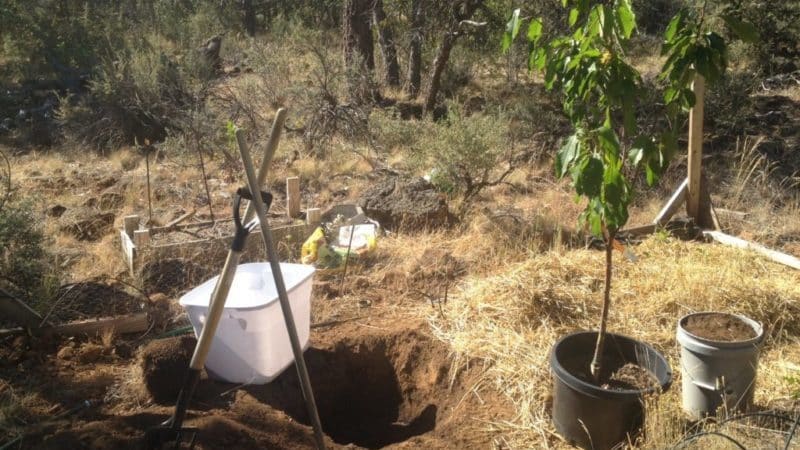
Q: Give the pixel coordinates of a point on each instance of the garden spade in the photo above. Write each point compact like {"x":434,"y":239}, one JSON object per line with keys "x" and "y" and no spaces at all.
{"x":172,"y":433}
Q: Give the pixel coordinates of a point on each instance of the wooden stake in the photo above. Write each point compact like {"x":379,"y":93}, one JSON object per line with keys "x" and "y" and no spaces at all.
{"x":141,"y":237}
{"x":696,"y":149}
{"x":313,"y":216}
{"x":131,"y":224}
{"x":293,"y":197}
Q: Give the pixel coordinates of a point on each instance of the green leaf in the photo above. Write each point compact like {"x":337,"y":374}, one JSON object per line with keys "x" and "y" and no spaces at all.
{"x":608,"y":142}
{"x":573,"y":16}
{"x":626,"y":18}
{"x":535,"y":30}
{"x":672,"y":28}
{"x":512,"y":29}
{"x":643,"y":147}
{"x":745,"y":30}
{"x":567,"y":154}
{"x":587,"y":176}
{"x":537,"y":59}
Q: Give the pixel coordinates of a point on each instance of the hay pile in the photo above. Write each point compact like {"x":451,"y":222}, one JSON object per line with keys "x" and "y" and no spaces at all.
{"x":511,"y":318}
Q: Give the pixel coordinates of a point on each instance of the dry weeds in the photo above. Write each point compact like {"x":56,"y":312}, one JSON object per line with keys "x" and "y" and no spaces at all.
{"x":511,"y":318}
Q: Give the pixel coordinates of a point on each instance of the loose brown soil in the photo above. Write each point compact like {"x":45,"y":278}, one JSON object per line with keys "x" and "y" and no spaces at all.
{"x":718,"y":327}
{"x":164,"y":363}
{"x":632,"y":376}
{"x":616,"y":374}
{"x":377,"y":385}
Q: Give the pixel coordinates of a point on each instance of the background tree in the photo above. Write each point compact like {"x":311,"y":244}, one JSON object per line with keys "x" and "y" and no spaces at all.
{"x":358,"y":47}
{"x":388,"y":49}
{"x":461,"y":11}
{"x":415,"y":49}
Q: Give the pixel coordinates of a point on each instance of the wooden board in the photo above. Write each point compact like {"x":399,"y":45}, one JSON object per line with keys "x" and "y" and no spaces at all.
{"x":773,"y":255}
{"x":130,"y":323}
{"x":696,"y":148}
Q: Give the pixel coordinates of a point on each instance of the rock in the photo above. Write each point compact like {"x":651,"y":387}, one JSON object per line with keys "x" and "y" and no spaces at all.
{"x":56,"y":210}
{"x":86,"y":224}
{"x":164,"y":363}
{"x":398,"y":202}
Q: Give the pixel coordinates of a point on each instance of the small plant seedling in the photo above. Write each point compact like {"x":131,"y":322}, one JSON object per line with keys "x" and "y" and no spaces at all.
{"x":599,"y":88}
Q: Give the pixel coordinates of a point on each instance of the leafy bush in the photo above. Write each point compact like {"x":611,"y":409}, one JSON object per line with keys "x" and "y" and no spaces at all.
{"x":465,"y":154}
{"x":777,"y":24}
{"x":22,"y":255}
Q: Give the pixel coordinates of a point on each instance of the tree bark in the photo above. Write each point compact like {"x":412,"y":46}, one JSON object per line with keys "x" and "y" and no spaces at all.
{"x":386,"y":40}
{"x":415,"y":51}
{"x":358,"y":45}
{"x":249,"y":17}
{"x":463,"y":11}
{"x":439,"y":64}
{"x":359,"y":55}
{"x":596,"y":367}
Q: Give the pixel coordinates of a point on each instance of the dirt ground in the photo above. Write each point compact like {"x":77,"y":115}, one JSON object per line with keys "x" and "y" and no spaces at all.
{"x":378,"y":383}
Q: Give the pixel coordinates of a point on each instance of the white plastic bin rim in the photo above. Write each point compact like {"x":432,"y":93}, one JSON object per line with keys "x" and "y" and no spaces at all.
{"x":252,"y":287}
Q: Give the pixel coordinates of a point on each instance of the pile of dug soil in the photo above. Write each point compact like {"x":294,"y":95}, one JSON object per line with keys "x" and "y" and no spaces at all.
{"x":164,"y":363}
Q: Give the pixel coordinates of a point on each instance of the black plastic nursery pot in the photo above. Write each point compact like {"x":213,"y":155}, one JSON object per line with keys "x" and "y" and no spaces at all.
{"x":588,"y":415}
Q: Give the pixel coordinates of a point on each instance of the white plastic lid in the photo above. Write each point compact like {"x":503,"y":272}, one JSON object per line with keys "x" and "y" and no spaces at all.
{"x":252,"y":287}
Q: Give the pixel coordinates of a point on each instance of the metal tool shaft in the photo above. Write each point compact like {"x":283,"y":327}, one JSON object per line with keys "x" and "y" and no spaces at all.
{"x":283,"y":297}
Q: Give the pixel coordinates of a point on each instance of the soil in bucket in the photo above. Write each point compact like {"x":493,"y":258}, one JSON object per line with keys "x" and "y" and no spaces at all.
{"x":718,"y":327}
{"x":616,"y":375}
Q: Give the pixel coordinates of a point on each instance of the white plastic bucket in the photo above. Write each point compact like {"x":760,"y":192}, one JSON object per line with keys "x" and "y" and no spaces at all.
{"x":251,"y":344}
{"x":716,"y":373}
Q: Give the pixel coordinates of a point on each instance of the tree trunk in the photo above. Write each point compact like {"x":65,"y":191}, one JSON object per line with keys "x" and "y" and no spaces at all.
{"x":597,"y":365}
{"x":415,"y":53}
{"x":358,"y":45}
{"x":463,"y":11}
{"x":359,"y":55}
{"x":249,"y":17}
{"x":439,"y":63}
{"x":386,"y":39}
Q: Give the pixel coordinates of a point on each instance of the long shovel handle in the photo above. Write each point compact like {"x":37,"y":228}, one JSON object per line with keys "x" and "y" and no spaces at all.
{"x":272,"y":254}
{"x":272,"y":144}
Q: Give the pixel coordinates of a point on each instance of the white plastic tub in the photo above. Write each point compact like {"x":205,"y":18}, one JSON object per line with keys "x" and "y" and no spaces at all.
{"x":251,"y":344}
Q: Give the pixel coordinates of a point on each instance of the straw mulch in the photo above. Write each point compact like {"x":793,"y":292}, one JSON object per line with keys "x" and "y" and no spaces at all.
{"x":510,"y":318}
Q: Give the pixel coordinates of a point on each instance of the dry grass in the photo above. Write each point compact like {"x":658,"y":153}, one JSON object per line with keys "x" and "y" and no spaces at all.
{"x":512,"y":317}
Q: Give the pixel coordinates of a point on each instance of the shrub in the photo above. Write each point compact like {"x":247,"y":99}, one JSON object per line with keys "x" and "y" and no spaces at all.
{"x":22,"y":256}
{"x":138,"y":94}
{"x":466,"y":154}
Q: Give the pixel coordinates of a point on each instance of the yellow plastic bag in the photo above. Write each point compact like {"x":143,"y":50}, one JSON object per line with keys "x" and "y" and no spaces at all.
{"x":310,"y":249}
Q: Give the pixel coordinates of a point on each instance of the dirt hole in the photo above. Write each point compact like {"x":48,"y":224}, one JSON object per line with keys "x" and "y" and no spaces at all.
{"x":371,"y":392}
